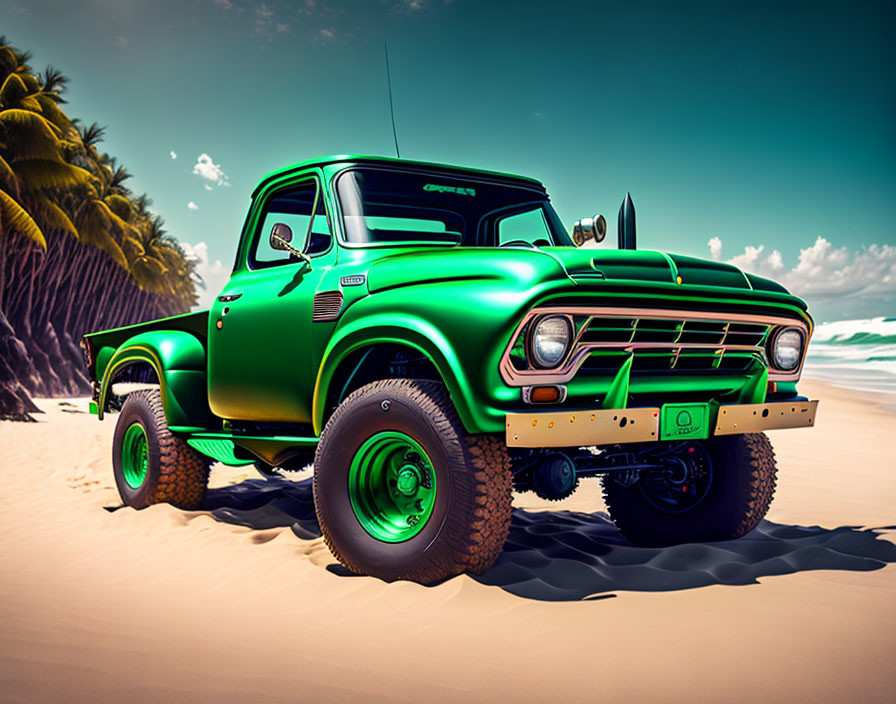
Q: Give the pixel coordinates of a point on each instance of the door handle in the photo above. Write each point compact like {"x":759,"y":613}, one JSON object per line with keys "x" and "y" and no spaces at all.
{"x":227,"y":298}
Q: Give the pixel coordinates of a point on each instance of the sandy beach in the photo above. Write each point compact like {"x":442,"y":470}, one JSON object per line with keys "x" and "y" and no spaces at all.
{"x":243,"y":602}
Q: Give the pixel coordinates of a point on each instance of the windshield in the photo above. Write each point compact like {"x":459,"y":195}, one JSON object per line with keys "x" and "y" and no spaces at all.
{"x":387,"y":206}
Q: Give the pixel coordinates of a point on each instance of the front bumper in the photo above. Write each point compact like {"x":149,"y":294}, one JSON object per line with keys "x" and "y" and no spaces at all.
{"x":614,"y":426}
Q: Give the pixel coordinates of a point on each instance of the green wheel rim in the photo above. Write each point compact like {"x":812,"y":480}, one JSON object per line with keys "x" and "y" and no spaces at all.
{"x":134,"y":456}
{"x":392,"y":486}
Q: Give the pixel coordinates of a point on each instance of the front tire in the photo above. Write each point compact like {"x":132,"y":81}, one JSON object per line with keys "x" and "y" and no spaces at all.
{"x":727,"y":493}
{"x":151,"y":465}
{"x":403,"y":492}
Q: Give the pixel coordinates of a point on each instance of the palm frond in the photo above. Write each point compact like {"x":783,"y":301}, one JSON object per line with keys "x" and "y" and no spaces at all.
{"x":15,"y":120}
{"x":101,"y":239}
{"x":112,"y":218}
{"x":22,"y":58}
{"x":52,"y":217}
{"x":14,"y":217}
{"x":120,"y":205}
{"x":31,"y":83}
{"x":30,"y":102}
{"x":12,"y":91}
{"x":50,"y":110}
{"x":141,"y":204}
{"x":92,"y":134}
{"x":54,"y":83}
{"x":44,"y":174}
{"x":119,"y":176}
{"x":8,"y":180}
{"x":8,"y":62}
{"x":132,"y":248}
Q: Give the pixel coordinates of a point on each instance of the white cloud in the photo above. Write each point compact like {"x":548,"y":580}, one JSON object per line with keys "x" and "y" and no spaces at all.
{"x":266,"y":23}
{"x":775,"y":261}
{"x":327,"y":34}
{"x":410,"y":5}
{"x":173,"y":155}
{"x":823,"y":271}
{"x":192,"y":206}
{"x":752,"y":259}
{"x":207,"y":187}
{"x":224,"y":4}
{"x":212,"y":275}
{"x":209,"y":170}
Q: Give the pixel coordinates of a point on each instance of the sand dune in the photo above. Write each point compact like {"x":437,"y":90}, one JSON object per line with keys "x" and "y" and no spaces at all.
{"x":242,"y":601}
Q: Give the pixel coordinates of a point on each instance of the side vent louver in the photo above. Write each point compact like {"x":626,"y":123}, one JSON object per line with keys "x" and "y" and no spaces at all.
{"x":327,"y":305}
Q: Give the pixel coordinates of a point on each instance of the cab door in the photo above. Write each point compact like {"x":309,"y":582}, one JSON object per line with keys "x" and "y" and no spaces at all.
{"x":260,"y":348}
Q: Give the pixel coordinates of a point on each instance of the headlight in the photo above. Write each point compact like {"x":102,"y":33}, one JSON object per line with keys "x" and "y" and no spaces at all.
{"x":788,"y":349}
{"x":550,"y":339}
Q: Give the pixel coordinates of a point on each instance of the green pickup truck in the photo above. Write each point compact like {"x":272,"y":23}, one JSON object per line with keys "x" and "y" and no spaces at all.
{"x":433,"y":339}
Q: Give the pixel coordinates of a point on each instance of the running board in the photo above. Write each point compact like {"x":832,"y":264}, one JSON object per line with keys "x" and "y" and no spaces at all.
{"x":221,"y":446}
{"x":219,"y":449}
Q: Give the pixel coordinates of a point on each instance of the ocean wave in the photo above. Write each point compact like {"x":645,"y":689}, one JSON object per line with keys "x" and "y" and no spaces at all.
{"x":870,"y":331}
{"x":859,"y":354}
{"x":863,"y":338}
{"x":856,"y":351}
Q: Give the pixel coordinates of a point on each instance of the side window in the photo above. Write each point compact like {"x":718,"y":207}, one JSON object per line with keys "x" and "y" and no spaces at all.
{"x":293,"y":209}
{"x":529,"y":226}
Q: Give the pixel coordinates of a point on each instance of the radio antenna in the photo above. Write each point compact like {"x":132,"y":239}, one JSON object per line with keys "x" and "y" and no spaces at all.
{"x":391,"y":107}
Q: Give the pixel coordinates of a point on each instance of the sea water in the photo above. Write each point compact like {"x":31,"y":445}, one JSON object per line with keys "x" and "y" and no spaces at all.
{"x":859,"y":354}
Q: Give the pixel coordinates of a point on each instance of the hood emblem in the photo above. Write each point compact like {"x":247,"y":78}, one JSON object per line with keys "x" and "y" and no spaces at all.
{"x":353,"y":280}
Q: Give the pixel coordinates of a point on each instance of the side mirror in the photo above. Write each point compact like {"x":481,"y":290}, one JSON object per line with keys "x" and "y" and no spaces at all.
{"x":589,"y":228}
{"x":281,"y":234}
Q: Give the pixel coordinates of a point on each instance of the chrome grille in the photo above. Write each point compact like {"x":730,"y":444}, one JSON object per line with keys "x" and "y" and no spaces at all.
{"x":603,"y":330}
{"x":658,"y":341}
{"x":668,"y":343}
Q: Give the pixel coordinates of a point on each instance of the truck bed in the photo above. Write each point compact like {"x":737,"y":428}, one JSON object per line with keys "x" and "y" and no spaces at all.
{"x":194,"y":323}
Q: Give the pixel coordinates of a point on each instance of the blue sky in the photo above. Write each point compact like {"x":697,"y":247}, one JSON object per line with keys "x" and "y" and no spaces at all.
{"x":749,"y":126}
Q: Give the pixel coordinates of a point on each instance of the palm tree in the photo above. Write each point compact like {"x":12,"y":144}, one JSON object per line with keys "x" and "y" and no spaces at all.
{"x":78,"y":250}
{"x":53,"y":82}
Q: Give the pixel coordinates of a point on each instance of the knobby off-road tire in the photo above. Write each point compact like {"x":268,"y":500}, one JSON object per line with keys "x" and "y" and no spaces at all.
{"x":151,"y":465}
{"x":465,"y":507}
{"x":742,"y":487}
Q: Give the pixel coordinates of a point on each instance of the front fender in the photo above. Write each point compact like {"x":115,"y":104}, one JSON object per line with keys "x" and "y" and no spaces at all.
{"x":413,"y":332}
{"x":179,"y":361}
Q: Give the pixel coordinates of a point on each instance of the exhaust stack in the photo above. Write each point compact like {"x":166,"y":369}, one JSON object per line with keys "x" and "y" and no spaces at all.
{"x":627,"y":224}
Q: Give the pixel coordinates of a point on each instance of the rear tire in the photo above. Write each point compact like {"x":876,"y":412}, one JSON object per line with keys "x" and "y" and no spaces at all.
{"x":151,"y":465}
{"x":403,"y":492}
{"x":738,"y":495}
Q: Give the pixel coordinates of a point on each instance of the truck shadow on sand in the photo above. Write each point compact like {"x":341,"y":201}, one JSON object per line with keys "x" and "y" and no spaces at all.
{"x":572,"y":556}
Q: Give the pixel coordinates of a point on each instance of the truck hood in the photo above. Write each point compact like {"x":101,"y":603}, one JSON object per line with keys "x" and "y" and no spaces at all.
{"x":528,"y":267}
{"x":642,"y":265}
{"x":427,"y":266}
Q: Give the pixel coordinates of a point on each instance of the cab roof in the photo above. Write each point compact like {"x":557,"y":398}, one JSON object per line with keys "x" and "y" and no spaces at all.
{"x":387,"y":161}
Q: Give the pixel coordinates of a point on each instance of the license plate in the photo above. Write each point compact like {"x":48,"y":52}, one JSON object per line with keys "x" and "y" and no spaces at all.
{"x":680,"y":421}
